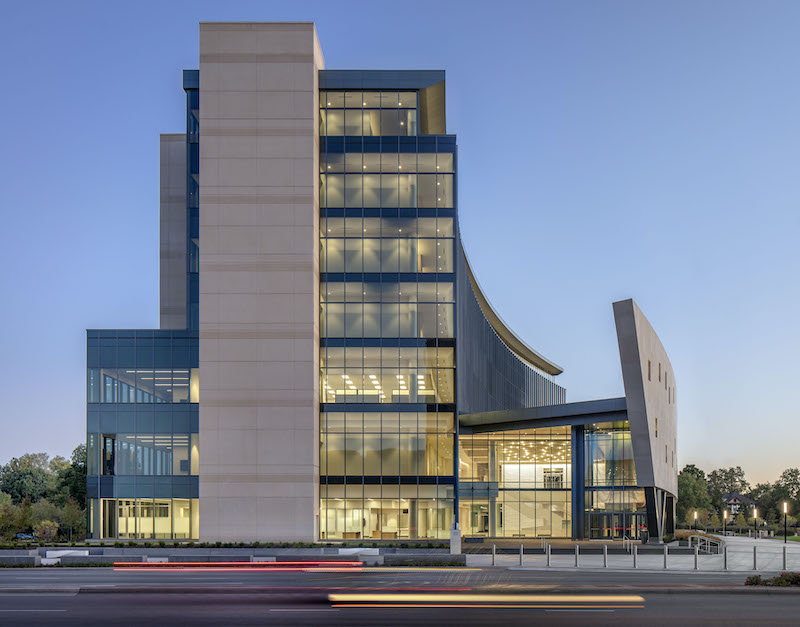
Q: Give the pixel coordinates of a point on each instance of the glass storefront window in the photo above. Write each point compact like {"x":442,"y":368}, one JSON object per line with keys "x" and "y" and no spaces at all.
{"x":128,"y":385}
{"x":517,"y":483}
{"x":147,"y":518}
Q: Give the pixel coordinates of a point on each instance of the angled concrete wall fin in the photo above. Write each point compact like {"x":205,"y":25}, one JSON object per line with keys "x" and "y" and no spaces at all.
{"x":650,"y":398}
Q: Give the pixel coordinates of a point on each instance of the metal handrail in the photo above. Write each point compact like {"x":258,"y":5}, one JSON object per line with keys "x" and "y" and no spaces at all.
{"x":627,"y":544}
{"x":706,"y":544}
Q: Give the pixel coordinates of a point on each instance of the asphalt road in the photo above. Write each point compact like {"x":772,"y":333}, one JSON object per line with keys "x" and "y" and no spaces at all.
{"x":459,"y":596}
{"x":382,"y":577}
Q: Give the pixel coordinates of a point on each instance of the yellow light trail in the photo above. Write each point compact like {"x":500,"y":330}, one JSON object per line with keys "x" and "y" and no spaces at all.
{"x":487,"y":606}
{"x":338,"y":597}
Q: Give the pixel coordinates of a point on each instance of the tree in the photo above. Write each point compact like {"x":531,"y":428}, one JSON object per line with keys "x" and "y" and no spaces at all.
{"x":73,"y":476}
{"x":44,"y":510}
{"x":30,"y":475}
{"x":694,"y":471}
{"x":726,"y":480}
{"x":73,"y":518}
{"x":715,"y":522}
{"x":4,"y":498}
{"x":790,"y":482}
{"x":57,"y":464}
{"x":740,"y":521}
{"x":692,"y":492}
{"x":46,"y":530}
{"x":8,"y":520}
{"x":24,"y":518}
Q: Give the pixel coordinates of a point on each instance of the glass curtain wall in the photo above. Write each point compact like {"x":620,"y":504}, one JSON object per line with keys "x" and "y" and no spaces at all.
{"x":516,"y":483}
{"x":149,"y":518}
{"x":615,"y":506}
{"x":142,"y":434}
{"x":387,"y":354}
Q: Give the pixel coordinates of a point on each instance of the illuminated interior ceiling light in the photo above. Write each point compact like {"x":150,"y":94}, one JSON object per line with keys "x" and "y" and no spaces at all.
{"x":372,"y":376}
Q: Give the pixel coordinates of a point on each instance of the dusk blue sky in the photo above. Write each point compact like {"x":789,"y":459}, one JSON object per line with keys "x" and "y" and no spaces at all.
{"x":606,"y":150}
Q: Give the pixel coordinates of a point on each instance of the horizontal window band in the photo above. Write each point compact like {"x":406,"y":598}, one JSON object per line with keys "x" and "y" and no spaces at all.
{"x":464,"y":488}
{"x":387,"y":143}
{"x":385,"y":212}
{"x":388,"y":342}
{"x":442,"y":408}
{"x":387,"y":480}
{"x":388,"y":277}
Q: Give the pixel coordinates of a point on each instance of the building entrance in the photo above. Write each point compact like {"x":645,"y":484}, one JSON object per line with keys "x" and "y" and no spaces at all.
{"x":617,"y":526}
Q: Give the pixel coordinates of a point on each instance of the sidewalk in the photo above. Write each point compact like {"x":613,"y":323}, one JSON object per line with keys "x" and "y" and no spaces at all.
{"x":740,"y":558}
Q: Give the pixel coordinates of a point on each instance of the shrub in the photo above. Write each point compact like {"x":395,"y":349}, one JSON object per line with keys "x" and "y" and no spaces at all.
{"x":162,"y":544}
{"x":783,"y":580}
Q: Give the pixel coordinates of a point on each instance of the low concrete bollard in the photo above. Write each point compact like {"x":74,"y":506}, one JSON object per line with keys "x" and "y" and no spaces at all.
{"x":577,"y":552}
{"x":755,"y":558}
{"x":725,"y":558}
{"x":521,"y":555}
{"x":635,"y":555}
{"x":493,"y":554}
{"x":784,"y":557}
{"x":605,"y":556}
{"x":547,"y":553}
{"x":666,"y":553}
{"x":697,"y":556}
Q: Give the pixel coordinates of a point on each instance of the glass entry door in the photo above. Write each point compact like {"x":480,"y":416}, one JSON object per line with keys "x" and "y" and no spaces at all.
{"x":616,"y":526}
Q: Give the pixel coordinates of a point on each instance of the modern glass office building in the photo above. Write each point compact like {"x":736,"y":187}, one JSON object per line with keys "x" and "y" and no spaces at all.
{"x":327,"y":365}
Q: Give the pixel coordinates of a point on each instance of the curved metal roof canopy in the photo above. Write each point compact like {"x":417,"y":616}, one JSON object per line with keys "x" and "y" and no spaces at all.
{"x":517,"y":346}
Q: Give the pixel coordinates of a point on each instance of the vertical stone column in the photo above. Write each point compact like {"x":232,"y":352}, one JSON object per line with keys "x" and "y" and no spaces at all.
{"x":259,"y":281}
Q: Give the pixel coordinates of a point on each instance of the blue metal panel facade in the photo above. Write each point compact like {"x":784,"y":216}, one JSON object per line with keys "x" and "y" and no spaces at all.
{"x":142,"y":428}
{"x":490,"y":375}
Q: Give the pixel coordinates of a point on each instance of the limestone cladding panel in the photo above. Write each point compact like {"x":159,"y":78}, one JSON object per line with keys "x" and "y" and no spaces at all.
{"x":172,"y":232}
{"x":650,"y":396}
{"x":259,"y":281}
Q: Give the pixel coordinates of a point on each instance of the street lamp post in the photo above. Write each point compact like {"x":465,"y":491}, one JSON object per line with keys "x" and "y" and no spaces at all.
{"x":755,"y":521}
{"x":695,"y":521}
{"x":725,"y":523}
{"x":785,"y":514}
